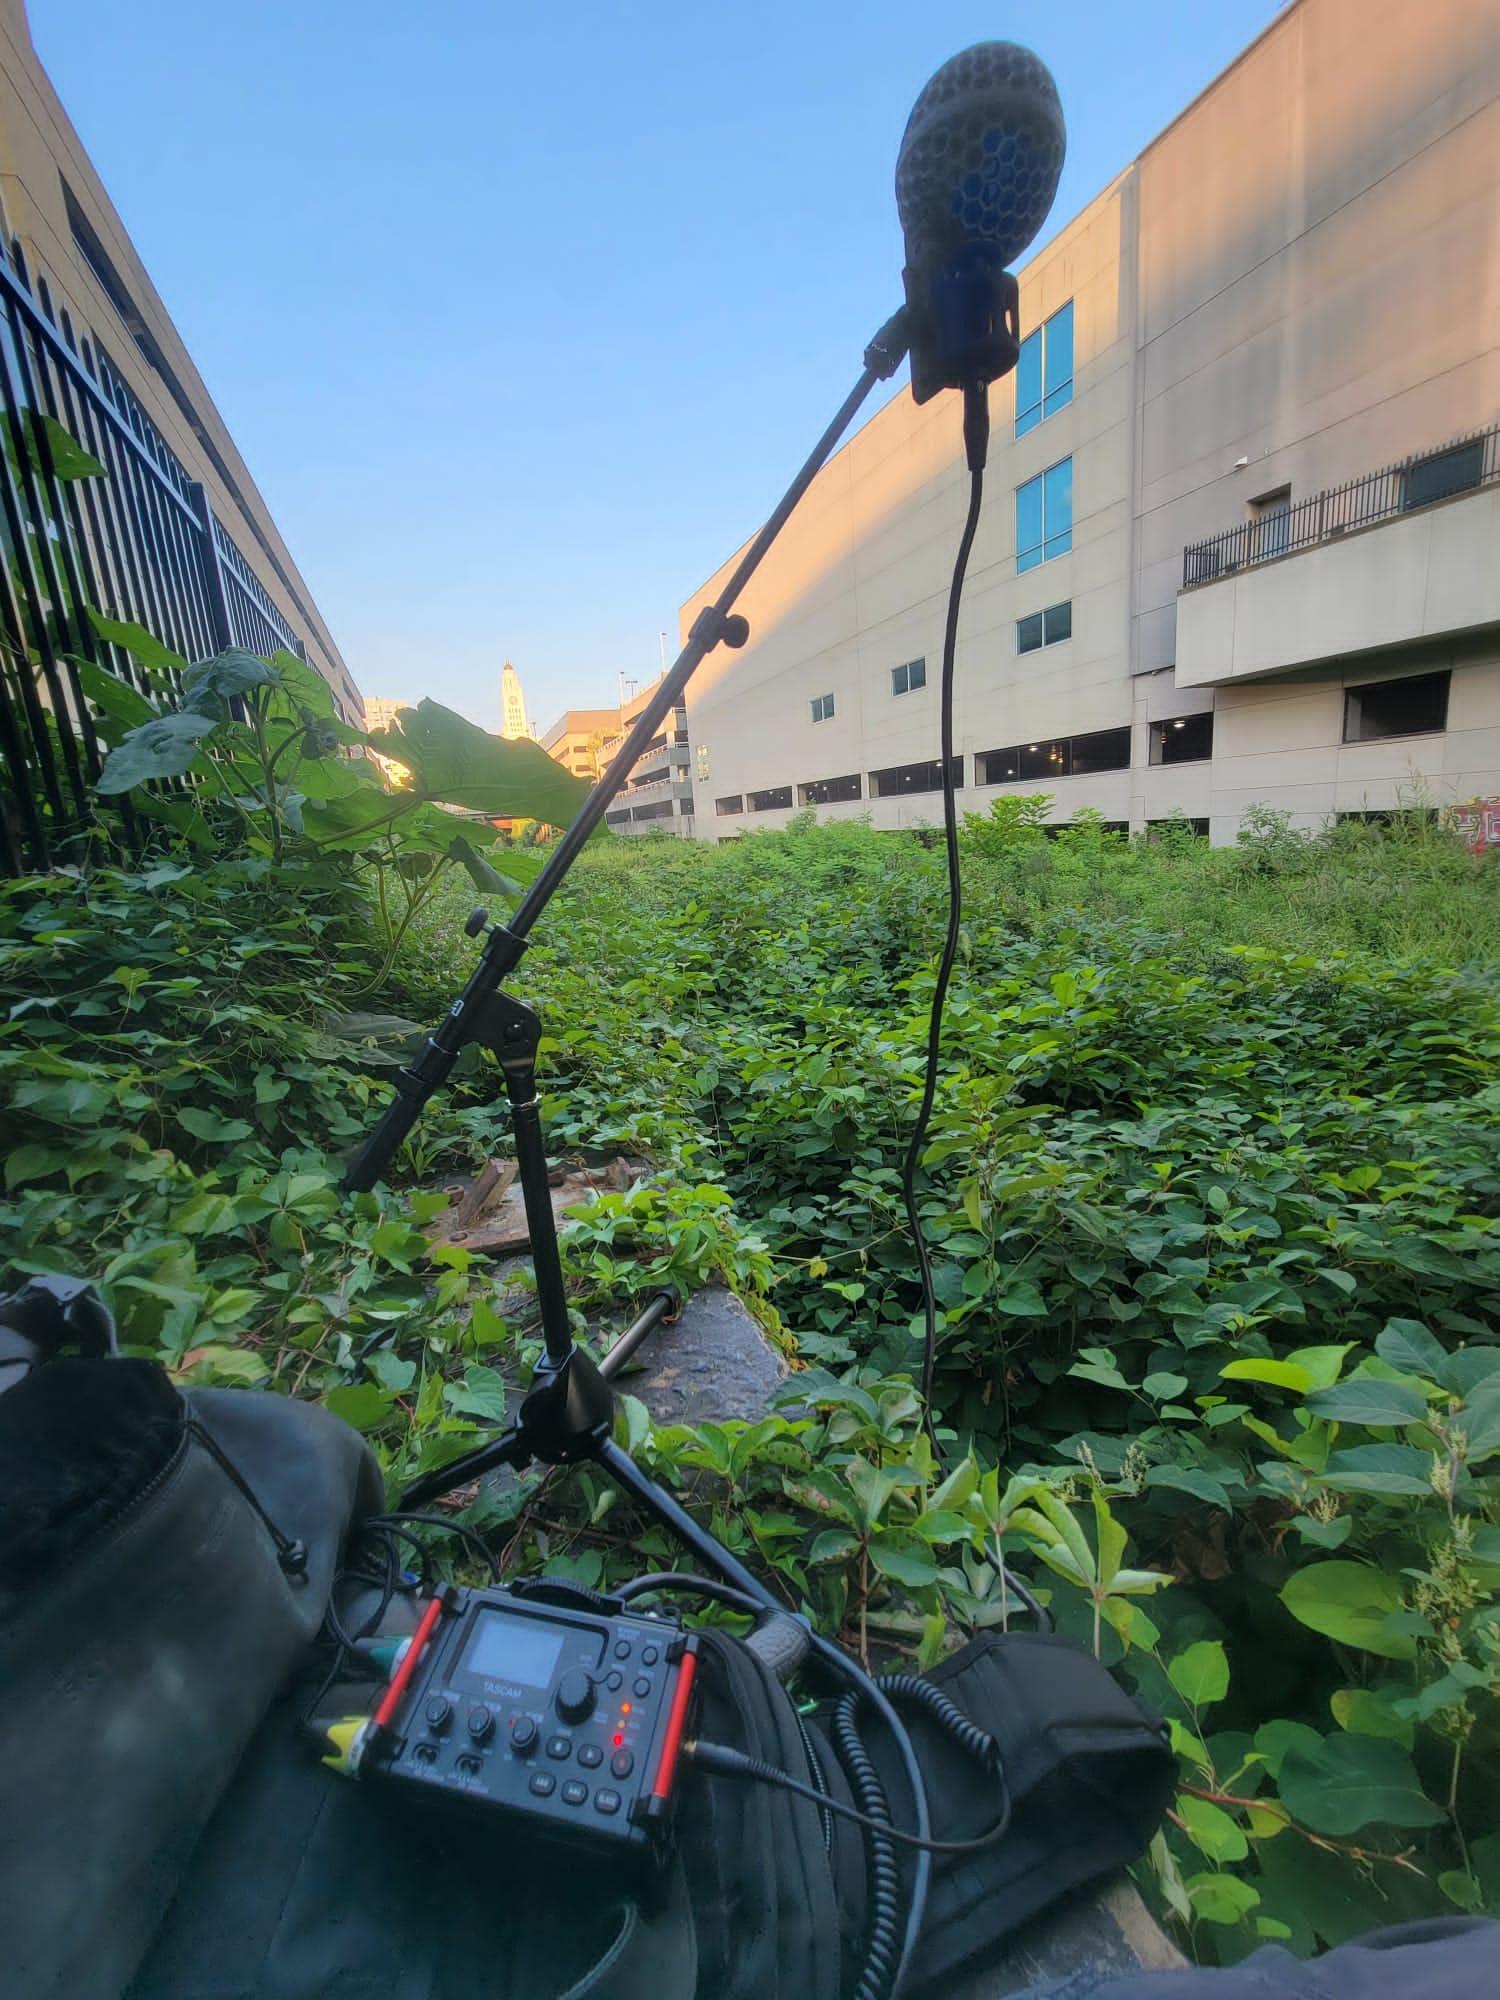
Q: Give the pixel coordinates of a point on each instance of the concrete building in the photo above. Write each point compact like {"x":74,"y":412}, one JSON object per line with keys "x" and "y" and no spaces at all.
{"x":513,"y":724}
{"x":61,"y":230}
{"x":1241,"y":539}
{"x":658,"y":795}
{"x":577,"y":739}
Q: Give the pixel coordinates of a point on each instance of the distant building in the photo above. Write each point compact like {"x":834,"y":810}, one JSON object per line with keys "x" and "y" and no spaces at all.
{"x":513,"y":724}
{"x":577,"y":739}
{"x":380,"y":713}
{"x":1242,"y":513}
{"x":658,"y":795}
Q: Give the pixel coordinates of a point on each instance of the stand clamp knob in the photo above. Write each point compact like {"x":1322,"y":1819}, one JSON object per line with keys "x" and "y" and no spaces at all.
{"x":475,"y":922}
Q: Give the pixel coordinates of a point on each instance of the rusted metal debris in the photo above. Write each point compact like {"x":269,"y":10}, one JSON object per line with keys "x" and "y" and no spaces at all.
{"x":486,"y":1213}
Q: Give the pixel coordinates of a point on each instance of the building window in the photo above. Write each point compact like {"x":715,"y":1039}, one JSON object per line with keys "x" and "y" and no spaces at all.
{"x":700,"y":762}
{"x":822,"y":707}
{"x":617,"y":819}
{"x":662,"y":810}
{"x":724,"y":807}
{"x":685,"y":807}
{"x":907,"y":679}
{"x":1178,"y":823}
{"x":1441,"y":474}
{"x":1415,"y":706}
{"x":1044,"y":628}
{"x":830,"y":791}
{"x":1183,"y":739}
{"x":1044,"y":516}
{"x":898,"y":779}
{"x":1271,"y":516}
{"x":777,"y":799}
{"x":1044,"y":370}
{"x":1058,"y":757}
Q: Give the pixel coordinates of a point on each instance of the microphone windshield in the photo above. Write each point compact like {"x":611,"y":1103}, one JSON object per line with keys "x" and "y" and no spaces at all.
{"x":981,"y":156}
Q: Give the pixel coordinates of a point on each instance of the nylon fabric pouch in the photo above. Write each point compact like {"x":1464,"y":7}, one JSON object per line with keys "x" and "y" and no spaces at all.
{"x":1090,"y":1774}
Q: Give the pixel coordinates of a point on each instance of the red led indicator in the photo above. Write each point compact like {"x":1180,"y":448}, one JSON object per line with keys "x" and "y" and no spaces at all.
{"x":618,"y":1738}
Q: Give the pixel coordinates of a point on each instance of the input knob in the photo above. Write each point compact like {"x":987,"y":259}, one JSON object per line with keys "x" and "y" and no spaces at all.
{"x":575,"y":1695}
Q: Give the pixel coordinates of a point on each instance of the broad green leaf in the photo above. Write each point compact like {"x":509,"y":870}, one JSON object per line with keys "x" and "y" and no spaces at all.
{"x":112,"y":696}
{"x":211,"y":1126}
{"x":483,"y":1394}
{"x":1480,"y":1420}
{"x":873,"y":1487}
{"x":391,"y":1371}
{"x":1352,"y":1782}
{"x":1221,"y":1899}
{"x":162,"y":748}
{"x":452,"y":760}
{"x":479,"y":871}
{"x":1324,"y":1534}
{"x":904,"y":1559}
{"x":46,"y":438}
{"x":1201,"y":1674}
{"x":1211,"y":1829}
{"x":1110,"y":1536}
{"x":232,"y":672}
{"x":1380,"y":1468}
{"x":1349,"y":1602}
{"x":240,"y":1366}
{"x":832,"y":1545}
{"x":1275,"y":1741}
{"x":1163,"y":1387}
{"x":1467,"y":1367}
{"x":1190,"y":1479}
{"x":1406,"y":1344}
{"x":958,"y":1487}
{"x":1323,"y":1364}
{"x":362,"y":1404}
{"x":1375,"y":1405}
{"x":138,"y":642}
{"x":1362,"y":1712}
{"x":1279,"y":1374}
{"x":1461,"y":1888}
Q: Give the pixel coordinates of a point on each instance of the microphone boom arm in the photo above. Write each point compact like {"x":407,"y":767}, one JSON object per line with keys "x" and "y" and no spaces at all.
{"x":471,"y":1015}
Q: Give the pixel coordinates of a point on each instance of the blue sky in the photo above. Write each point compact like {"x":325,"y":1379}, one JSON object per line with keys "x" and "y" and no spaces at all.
{"x":523,"y":316}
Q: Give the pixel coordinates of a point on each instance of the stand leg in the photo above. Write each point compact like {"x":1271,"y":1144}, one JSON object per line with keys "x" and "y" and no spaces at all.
{"x":510,"y":1449}
{"x":623,"y":1469}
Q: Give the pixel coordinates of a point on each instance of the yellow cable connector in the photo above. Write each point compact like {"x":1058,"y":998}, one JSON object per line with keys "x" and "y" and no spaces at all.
{"x":347,"y":1738}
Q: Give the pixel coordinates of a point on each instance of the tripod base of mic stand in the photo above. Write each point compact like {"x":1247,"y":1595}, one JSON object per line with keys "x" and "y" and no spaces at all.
{"x":567,"y":1418}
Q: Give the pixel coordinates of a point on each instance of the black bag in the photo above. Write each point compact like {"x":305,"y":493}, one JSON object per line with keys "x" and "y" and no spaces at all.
{"x":146,"y":1623}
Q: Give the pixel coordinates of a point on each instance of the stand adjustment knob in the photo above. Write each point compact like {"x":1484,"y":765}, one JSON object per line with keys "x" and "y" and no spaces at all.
{"x":475,"y":922}
{"x":575,"y":1695}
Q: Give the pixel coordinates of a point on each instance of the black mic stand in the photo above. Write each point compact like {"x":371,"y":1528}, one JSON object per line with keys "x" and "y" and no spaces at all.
{"x":568,"y":1413}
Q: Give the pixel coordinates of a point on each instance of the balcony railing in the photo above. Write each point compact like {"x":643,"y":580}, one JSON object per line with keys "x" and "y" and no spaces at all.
{"x":1419,"y":481}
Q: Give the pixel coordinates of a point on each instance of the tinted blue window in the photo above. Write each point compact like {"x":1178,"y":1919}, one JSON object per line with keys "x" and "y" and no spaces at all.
{"x":1058,"y":368}
{"x":1029,"y":524}
{"x":1057,"y":509}
{"x":1029,"y":384}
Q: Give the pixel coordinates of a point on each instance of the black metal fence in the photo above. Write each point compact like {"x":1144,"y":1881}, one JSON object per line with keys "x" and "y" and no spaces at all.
{"x":1280,"y":530}
{"x":139,"y":542}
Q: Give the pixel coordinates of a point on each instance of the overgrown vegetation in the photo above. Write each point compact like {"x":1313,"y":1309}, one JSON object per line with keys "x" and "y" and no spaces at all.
{"x":1212,"y":1193}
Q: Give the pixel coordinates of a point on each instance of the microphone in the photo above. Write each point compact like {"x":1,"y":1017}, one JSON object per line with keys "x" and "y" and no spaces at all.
{"x":975,"y":178}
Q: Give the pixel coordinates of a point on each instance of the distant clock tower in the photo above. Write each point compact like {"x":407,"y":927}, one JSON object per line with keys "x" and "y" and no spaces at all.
{"x":513,"y":723}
